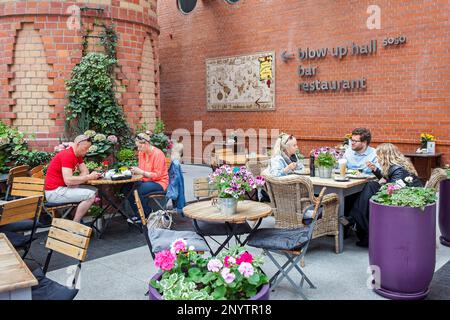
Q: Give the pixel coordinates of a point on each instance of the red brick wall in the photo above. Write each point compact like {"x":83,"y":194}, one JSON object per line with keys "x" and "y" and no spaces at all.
{"x":135,"y":22}
{"x":407,"y":87}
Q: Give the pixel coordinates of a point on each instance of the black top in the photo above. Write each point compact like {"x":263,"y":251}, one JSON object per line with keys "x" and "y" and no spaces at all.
{"x":397,"y":172}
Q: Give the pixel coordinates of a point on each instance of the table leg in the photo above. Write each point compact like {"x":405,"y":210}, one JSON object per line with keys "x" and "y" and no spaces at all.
{"x":118,"y":209}
{"x":341,"y":196}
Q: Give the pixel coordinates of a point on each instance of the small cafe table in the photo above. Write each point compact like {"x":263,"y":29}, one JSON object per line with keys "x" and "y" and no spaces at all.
{"x":100,"y":183}
{"x":246,"y":211}
{"x":424,"y":163}
{"x":16,"y":279}
{"x":342,"y":189}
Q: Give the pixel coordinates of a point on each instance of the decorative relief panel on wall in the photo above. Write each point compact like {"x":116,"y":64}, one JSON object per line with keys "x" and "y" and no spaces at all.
{"x":241,"y":83}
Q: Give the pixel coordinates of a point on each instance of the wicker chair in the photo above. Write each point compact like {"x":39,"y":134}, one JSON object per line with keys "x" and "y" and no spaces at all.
{"x":437,"y":175}
{"x":291,"y":194}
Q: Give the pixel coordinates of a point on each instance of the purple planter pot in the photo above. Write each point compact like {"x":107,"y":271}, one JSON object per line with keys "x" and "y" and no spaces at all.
{"x":402,"y":243}
{"x":153,"y":294}
{"x":444,"y":212}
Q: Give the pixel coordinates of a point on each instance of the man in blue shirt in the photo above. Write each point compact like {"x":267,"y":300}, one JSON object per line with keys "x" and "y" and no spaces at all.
{"x":361,"y":153}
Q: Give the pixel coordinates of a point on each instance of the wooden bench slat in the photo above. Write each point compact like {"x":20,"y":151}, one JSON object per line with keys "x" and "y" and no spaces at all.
{"x":29,"y":180}
{"x":27,"y":186}
{"x":69,"y":237}
{"x":24,"y":193}
{"x":67,"y":249}
{"x":72,"y":227}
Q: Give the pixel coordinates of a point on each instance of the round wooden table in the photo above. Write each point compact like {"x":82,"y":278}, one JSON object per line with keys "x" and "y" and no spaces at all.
{"x":246,"y":211}
{"x":118,"y":209}
{"x":98,"y":182}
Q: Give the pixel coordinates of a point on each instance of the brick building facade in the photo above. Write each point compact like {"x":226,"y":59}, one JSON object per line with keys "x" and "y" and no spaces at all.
{"x":407,"y":89}
{"x":41,"y":41}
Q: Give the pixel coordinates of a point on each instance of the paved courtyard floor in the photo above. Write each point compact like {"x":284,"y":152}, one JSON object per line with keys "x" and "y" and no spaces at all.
{"x":125,"y":274}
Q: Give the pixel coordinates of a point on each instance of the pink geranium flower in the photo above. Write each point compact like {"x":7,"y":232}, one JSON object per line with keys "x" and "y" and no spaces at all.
{"x":244,"y":257}
{"x":227,"y":275}
{"x":178,"y":245}
{"x":246,"y":269}
{"x":164,"y":260}
{"x":214,"y":265}
{"x":228,"y":261}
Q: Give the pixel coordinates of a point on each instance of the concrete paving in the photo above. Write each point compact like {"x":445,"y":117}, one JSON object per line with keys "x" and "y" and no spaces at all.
{"x":344,"y":276}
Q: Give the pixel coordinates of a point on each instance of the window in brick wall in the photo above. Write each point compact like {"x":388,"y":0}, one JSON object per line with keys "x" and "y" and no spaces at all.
{"x":186,"y":6}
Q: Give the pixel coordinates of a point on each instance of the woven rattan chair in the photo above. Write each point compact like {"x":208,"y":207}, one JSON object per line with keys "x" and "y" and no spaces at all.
{"x":291,"y":194}
{"x":437,"y":175}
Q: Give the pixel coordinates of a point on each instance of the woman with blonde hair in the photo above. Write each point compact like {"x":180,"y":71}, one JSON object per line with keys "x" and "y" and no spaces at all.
{"x":394,"y":166}
{"x":284,"y":156}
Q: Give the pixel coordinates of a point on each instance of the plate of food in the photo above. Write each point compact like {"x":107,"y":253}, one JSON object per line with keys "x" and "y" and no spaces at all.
{"x":341,"y":179}
{"x":356,"y":174}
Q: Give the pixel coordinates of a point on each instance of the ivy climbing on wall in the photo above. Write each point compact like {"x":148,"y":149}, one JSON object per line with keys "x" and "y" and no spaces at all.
{"x":91,"y":91}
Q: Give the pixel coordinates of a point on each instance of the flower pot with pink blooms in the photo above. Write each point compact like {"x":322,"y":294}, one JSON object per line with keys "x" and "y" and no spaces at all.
{"x":186,"y":275}
{"x":233,"y":184}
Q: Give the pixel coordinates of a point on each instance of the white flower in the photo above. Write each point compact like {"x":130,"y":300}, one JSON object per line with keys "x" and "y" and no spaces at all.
{"x":409,"y":179}
{"x":90,"y":133}
{"x":191,"y":248}
{"x":93,"y":148}
{"x":99,"y":137}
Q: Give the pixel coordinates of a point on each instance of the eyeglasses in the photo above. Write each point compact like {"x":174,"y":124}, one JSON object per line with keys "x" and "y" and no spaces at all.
{"x":141,"y":138}
{"x":355,"y":141}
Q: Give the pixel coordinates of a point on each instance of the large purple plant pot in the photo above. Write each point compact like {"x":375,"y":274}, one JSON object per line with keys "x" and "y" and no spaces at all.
{"x":153,"y":294}
{"x":444,"y":212}
{"x":402,"y":244}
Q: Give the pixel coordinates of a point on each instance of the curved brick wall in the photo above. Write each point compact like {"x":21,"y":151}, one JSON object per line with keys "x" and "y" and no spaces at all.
{"x":407,"y":87}
{"x":39,"y":49}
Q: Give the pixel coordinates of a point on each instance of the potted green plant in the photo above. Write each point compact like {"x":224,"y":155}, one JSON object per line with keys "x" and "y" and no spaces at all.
{"x":325,"y":159}
{"x":232,"y":184}
{"x":12,"y":144}
{"x":186,"y":275}
{"x":402,"y":239}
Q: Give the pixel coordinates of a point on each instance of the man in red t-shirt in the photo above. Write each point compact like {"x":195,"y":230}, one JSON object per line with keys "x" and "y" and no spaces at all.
{"x":61,"y":186}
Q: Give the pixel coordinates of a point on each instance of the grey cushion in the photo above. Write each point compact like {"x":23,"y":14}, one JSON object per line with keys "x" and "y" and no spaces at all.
{"x":161,"y":239}
{"x":279,"y":239}
{"x":220,"y":229}
{"x":48,"y":289}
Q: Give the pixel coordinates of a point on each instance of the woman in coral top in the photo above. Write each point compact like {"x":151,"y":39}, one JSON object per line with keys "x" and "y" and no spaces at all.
{"x":152,"y":166}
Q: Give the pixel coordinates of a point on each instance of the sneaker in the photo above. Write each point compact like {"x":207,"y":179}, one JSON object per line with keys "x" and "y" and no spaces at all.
{"x":134,"y":220}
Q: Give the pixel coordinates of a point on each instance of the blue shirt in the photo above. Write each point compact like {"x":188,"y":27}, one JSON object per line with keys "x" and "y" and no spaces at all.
{"x":356,"y":160}
{"x":277,"y":165}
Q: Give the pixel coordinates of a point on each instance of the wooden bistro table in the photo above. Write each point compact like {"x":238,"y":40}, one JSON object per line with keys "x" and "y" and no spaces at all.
{"x":100,"y":184}
{"x":246,"y":211}
{"x":16,"y":279}
{"x":342,"y":189}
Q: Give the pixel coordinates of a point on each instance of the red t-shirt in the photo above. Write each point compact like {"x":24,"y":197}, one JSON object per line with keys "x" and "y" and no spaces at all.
{"x":67,"y":159}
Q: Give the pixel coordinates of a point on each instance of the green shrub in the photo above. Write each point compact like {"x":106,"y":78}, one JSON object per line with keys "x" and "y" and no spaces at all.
{"x":34,"y":158}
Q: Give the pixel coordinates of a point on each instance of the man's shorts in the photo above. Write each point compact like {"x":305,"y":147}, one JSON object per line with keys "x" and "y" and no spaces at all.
{"x":70,"y":194}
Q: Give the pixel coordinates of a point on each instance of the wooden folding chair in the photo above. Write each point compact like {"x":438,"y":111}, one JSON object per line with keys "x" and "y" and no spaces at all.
{"x":164,"y":235}
{"x":69,"y":238}
{"x":37,"y":172}
{"x":26,"y":187}
{"x":290,"y":243}
{"x":19,"y":210}
{"x":19,"y":171}
{"x":203,"y":189}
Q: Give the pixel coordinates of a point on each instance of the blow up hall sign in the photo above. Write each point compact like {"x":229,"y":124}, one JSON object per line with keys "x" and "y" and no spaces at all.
{"x":339,"y":52}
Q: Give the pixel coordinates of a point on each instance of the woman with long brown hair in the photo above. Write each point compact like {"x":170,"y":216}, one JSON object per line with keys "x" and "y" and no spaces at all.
{"x":394,"y":166}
